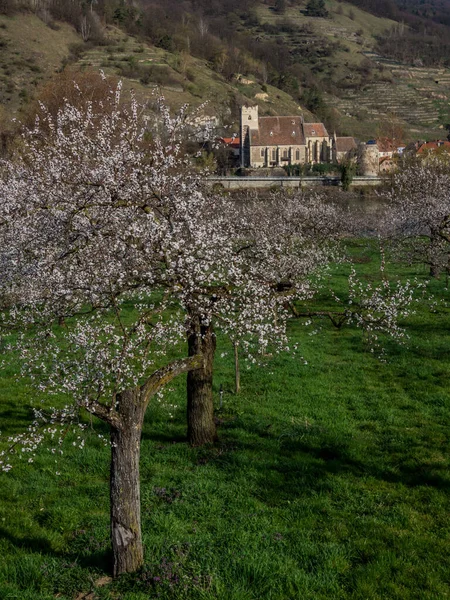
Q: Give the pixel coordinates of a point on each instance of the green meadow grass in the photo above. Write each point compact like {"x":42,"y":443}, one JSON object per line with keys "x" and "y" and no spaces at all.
{"x":330,"y":480}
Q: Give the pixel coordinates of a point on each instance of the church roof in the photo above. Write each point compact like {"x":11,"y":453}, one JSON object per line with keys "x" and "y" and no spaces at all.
{"x":278,"y":131}
{"x":345,"y":144}
{"x":315,"y":130}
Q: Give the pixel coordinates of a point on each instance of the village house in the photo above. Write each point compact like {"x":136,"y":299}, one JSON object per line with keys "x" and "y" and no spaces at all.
{"x":388,"y":165}
{"x":386,"y":147}
{"x":232,"y":143}
{"x":430,"y":147}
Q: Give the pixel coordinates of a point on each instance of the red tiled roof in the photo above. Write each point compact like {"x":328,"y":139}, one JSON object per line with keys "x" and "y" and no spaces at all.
{"x":315,"y":130}
{"x":431,"y":146}
{"x":278,"y":131}
{"x":385,"y":145}
{"x":234,"y":142}
{"x":345,"y":144}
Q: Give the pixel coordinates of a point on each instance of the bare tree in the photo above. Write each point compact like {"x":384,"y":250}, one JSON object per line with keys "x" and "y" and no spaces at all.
{"x":203,"y":26}
{"x":85,"y":28}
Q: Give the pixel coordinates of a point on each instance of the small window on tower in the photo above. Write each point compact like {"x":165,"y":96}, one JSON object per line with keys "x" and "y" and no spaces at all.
{"x":262,"y":151}
{"x":249,"y":117}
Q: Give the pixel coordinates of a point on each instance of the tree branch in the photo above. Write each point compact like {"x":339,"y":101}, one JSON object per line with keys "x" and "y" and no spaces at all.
{"x":105,"y":413}
{"x":162,"y":376}
{"x":337,"y":318}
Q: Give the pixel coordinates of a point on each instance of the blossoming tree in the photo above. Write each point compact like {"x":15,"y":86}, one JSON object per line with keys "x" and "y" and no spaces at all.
{"x":418,"y":216}
{"x":112,"y":254}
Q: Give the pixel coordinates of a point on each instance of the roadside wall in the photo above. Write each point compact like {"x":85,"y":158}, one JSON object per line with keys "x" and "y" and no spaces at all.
{"x":241,"y":183}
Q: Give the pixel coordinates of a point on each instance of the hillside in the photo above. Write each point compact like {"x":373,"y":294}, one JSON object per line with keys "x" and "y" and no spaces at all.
{"x":436,"y":11}
{"x":274,"y":55}
{"x":33,"y":54}
{"x":30,"y":53}
{"x":360,"y":87}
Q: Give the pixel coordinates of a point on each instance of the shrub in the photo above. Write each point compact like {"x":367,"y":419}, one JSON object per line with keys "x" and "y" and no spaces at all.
{"x":316,"y":8}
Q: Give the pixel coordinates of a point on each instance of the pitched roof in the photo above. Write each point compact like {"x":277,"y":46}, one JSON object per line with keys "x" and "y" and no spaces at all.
{"x":432,"y":146}
{"x":386,"y":145}
{"x":315,"y":130}
{"x":345,"y":144}
{"x":234,"y":142}
{"x":278,"y":131}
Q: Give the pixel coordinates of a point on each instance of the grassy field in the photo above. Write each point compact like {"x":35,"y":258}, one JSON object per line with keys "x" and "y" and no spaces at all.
{"x":330,"y":481}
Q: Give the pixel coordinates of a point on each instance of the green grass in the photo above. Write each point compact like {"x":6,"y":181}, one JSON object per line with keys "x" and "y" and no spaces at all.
{"x":330,"y":481}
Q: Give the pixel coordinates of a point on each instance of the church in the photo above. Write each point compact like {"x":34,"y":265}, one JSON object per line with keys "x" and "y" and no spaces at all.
{"x":279,"y":141}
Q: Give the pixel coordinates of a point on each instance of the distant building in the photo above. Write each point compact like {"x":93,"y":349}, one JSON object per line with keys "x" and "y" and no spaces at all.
{"x":232,"y":143}
{"x":388,"y":165}
{"x":431,"y":147}
{"x":279,"y":141}
{"x":343,"y":148}
{"x":369,"y":159}
{"x":227,"y":151}
{"x":386,"y":148}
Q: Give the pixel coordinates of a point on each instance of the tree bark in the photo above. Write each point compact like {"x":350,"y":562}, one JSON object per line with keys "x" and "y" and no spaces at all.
{"x":125,"y":417}
{"x":435,"y":267}
{"x":435,"y":271}
{"x":200,"y":405}
{"x":237,"y":373}
{"x":126,"y":536}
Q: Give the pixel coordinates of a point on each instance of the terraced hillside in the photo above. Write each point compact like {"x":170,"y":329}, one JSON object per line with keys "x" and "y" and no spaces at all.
{"x":182,"y":78}
{"x":420,"y":97}
{"x":345,"y":35}
{"x":337,"y":54}
{"x":362,"y":86}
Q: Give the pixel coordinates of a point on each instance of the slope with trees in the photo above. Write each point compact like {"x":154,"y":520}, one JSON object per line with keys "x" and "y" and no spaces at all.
{"x":231,"y":53}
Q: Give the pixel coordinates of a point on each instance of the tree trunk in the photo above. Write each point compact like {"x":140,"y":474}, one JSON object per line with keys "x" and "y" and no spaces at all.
{"x":126,"y":537}
{"x":125,"y":418}
{"x":435,"y":267}
{"x":200,"y":406}
{"x":237,"y":373}
{"x":435,"y":271}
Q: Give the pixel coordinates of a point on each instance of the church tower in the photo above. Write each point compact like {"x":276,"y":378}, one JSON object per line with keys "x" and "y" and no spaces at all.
{"x":249,"y":122}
